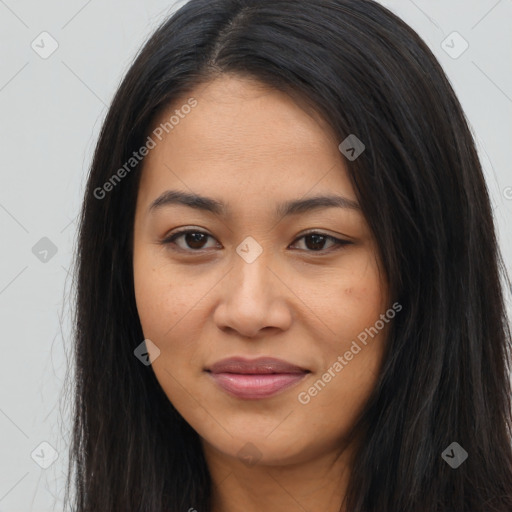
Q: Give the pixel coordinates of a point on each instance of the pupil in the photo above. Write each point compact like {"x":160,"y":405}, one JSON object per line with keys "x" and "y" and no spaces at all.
{"x":194,"y":238}
{"x":318,"y":241}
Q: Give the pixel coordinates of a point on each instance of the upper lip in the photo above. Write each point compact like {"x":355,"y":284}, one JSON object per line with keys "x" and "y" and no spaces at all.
{"x":262,"y":365}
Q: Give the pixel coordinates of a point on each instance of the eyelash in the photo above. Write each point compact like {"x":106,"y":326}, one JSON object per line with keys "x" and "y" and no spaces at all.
{"x":170,"y":240}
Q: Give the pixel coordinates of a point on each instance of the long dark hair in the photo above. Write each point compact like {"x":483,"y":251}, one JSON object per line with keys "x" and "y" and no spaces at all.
{"x":445,"y":376}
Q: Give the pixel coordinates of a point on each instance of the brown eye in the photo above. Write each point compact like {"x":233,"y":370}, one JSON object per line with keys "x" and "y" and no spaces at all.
{"x":192,"y":240}
{"x":315,"y":242}
{"x":195,"y":241}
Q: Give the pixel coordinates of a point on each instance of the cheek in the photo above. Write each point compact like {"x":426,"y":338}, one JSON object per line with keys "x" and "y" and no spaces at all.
{"x":164,"y":296}
{"x":353,"y":352}
{"x":348,"y":300}
{"x":171,"y":304}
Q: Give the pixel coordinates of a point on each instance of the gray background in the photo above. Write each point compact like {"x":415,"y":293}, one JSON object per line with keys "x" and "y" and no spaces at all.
{"x":51,"y":112}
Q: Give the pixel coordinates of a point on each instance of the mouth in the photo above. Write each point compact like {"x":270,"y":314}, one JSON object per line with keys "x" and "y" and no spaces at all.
{"x":255,"y":379}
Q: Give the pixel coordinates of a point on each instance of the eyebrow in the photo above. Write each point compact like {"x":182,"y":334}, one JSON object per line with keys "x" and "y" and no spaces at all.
{"x":208,"y":204}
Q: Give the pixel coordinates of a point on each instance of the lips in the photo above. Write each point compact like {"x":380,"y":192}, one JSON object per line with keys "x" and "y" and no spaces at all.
{"x":257,"y":378}
{"x":260,"y":366}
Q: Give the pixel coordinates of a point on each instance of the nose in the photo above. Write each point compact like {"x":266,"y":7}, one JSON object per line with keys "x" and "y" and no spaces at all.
{"x":254,"y":300}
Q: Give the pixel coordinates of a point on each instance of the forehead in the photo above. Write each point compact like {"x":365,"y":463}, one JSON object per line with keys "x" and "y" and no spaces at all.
{"x":243,"y":136}
{"x":239,"y":116}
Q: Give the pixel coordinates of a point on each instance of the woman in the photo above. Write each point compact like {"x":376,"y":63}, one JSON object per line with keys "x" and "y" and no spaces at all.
{"x":288,"y":281}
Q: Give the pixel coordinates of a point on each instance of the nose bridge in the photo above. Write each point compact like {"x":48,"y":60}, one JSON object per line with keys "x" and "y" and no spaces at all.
{"x":249,"y":302}
{"x":250,"y":273}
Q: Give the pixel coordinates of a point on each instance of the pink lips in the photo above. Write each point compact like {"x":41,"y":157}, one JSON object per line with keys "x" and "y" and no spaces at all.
{"x":256,"y":378}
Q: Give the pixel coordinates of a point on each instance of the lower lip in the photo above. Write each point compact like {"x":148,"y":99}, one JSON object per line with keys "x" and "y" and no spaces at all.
{"x":253,"y":387}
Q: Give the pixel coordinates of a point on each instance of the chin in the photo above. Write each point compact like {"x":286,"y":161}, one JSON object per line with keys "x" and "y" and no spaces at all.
{"x":257,"y":448}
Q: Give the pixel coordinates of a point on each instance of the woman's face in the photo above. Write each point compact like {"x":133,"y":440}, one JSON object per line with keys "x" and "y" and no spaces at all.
{"x":250,"y":281}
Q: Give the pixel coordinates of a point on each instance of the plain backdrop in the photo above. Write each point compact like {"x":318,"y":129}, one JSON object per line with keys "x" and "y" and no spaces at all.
{"x":52,"y":107}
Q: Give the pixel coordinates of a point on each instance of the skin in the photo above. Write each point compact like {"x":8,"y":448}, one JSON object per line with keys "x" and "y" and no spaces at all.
{"x":252,"y":148}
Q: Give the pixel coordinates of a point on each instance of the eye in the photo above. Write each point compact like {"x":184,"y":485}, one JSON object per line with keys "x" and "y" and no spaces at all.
{"x":315,"y":242}
{"x":195,"y":241}
{"x":192,"y":238}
